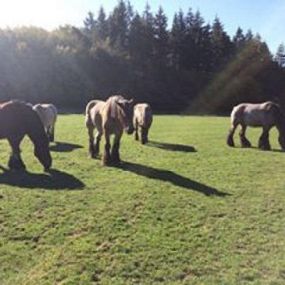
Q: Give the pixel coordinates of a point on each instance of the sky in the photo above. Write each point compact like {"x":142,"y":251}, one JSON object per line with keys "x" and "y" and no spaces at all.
{"x":265,"y":17}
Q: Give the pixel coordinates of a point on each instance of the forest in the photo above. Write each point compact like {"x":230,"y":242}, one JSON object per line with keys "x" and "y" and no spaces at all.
{"x":179,"y":65}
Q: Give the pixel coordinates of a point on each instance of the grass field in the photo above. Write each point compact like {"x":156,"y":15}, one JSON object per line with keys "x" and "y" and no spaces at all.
{"x":185,"y":209}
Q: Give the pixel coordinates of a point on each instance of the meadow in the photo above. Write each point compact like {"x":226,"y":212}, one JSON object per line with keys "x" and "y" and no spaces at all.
{"x":184,"y":209}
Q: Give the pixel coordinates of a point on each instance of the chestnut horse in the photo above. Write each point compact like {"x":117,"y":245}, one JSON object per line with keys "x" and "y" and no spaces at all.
{"x":18,"y":119}
{"x":109,"y":118}
{"x":265,"y":115}
{"x":142,"y":121}
{"x":48,"y":115}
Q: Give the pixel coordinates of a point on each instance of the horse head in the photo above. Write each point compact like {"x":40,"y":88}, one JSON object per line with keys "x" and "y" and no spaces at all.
{"x":127,"y":107}
{"x":42,"y":152}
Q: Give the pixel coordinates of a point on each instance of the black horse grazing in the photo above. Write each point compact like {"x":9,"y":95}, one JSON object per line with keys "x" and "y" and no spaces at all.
{"x":18,"y":119}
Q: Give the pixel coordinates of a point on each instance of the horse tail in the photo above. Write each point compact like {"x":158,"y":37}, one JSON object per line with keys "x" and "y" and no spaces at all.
{"x":54,"y":110}
{"x":278,"y":114}
{"x":89,"y":106}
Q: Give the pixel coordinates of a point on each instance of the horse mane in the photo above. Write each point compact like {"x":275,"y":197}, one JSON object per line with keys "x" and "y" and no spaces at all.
{"x":35,"y":129}
{"x":114,"y":110}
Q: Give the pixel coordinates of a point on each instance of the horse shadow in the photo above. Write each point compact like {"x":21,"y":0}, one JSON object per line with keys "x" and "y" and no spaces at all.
{"x":53,"y":180}
{"x":171,"y":177}
{"x":64,"y":147}
{"x":259,"y":149}
{"x":172,"y":147}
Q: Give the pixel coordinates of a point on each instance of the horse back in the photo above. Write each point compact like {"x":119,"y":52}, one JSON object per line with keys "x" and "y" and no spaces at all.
{"x":17,"y":117}
{"x":254,"y":115}
{"x":143,"y":114}
{"x":47,"y":113}
{"x":93,"y":113}
{"x":110,"y":115}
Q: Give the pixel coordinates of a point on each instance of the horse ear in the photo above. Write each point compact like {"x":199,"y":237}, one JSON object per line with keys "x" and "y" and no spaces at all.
{"x":131,"y":101}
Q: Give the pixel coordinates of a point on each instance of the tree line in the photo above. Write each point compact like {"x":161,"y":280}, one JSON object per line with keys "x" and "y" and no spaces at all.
{"x":186,"y":65}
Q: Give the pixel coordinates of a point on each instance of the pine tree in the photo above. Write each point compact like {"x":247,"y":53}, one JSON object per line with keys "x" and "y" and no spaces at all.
{"x":161,"y":38}
{"x":280,"y":55}
{"x":119,"y":25}
{"x":89,"y":24}
{"x":239,"y":39}
{"x":101,"y":25}
{"x":221,"y":45}
{"x":177,"y":39}
{"x":249,"y":35}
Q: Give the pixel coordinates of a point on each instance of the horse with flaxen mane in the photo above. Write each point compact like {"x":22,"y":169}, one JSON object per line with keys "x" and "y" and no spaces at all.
{"x":142,"y":121}
{"x":265,"y":115}
{"x":18,"y":119}
{"x":109,"y":118}
{"x":48,"y":115}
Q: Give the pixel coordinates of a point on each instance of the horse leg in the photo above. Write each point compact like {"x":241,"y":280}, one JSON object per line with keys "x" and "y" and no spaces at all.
{"x":146,"y":135}
{"x":281,"y":137}
{"x":136,"y":131}
{"x":91,"y":141}
{"x":97,"y":143}
{"x":281,"y":140}
{"x":115,"y":155}
{"x":143,"y":135}
{"x":230,"y":138}
{"x":263,"y":142}
{"x":106,"y":159}
{"x":243,"y":140}
{"x":15,"y":160}
{"x":51,"y":133}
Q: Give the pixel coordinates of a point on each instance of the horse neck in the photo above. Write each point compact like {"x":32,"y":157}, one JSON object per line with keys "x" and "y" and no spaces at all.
{"x":36,"y":132}
{"x":117,"y":112}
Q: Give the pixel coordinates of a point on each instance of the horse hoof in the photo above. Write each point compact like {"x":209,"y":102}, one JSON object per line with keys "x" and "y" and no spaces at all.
{"x":105,"y":162}
{"x":246,"y":144}
{"x":265,"y":148}
{"x":230,"y":142}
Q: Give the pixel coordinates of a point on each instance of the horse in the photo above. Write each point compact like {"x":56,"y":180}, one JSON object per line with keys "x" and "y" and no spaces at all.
{"x":109,"y":118}
{"x":142,"y":121}
{"x":265,"y":115}
{"x":18,"y":119}
{"x":48,"y":116}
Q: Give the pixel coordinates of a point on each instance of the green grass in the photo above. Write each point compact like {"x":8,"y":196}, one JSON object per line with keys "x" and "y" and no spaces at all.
{"x":169,"y":215}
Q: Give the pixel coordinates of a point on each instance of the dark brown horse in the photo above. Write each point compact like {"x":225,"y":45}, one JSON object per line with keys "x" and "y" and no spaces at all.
{"x":18,"y":119}
{"x":109,"y":118}
{"x":265,"y":115}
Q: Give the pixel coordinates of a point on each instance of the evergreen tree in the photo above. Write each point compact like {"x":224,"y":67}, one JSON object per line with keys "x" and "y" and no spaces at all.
{"x":177,"y":39}
{"x":221,"y":45}
{"x":239,"y":39}
{"x":248,"y":36}
{"x":89,"y":23}
{"x":101,"y":25}
{"x":280,"y":55}
{"x":161,"y":38}
{"x":118,"y":26}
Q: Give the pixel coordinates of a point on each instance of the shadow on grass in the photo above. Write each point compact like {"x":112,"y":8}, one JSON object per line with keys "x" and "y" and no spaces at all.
{"x":170,"y":176}
{"x":271,"y":150}
{"x":64,"y":147}
{"x":172,"y":147}
{"x":54,"y":180}
{"x":261,"y":150}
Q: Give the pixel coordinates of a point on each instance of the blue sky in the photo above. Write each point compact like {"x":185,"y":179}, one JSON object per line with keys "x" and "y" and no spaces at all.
{"x":266,"y":17}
